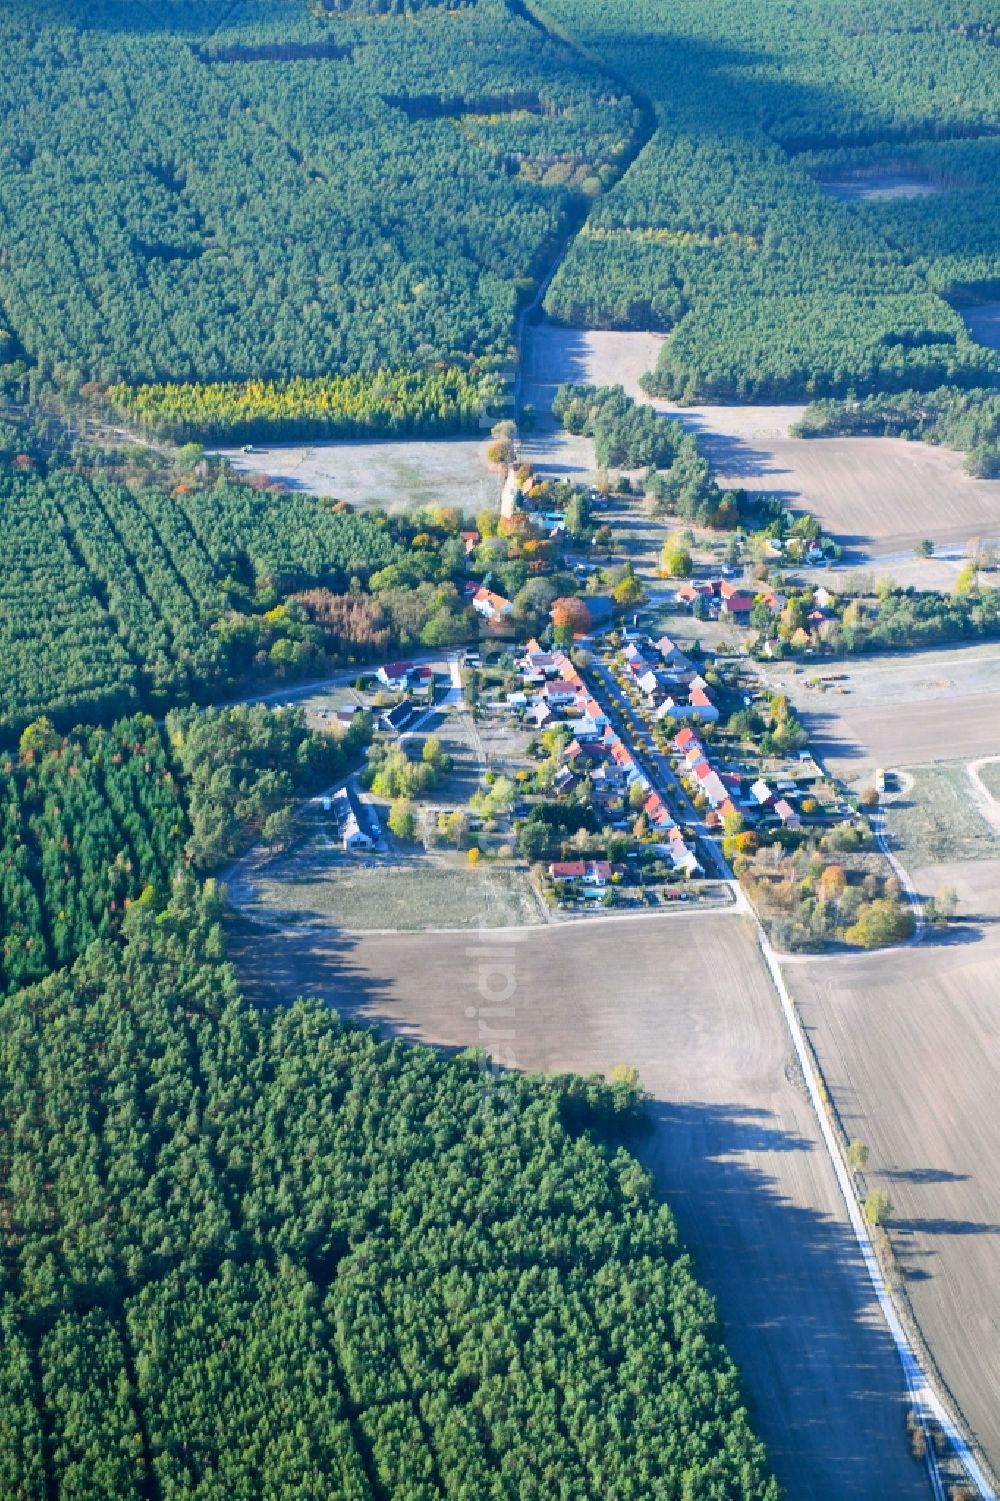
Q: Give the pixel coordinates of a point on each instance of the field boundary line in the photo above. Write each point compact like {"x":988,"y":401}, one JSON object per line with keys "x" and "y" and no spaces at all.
{"x":515,"y":929}
{"x":925,"y":1399}
{"x":902,"y":874}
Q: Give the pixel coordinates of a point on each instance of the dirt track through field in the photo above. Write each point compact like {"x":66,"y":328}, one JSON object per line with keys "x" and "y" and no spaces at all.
{"x":878,"y":496}
{"x":735,"y":1149}
{"x":985,"y":801}
{"x":910,"y":1048}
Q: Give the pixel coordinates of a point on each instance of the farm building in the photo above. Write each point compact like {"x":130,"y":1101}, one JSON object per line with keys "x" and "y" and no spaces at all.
{"x":396,"y":719}
{"x":353,"y":834}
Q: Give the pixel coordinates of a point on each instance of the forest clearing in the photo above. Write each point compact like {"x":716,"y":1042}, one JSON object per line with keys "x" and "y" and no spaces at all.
{"x":877,"y":496}
{"x":400,"y":474}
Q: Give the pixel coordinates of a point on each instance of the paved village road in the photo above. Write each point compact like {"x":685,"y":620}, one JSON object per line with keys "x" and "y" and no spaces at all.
{"x":924,"y":1396}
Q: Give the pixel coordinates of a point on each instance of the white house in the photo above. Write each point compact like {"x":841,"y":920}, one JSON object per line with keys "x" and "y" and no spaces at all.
{"x":489,"y":605}
{"x":584,"y":728}
{"x":395,"y":675}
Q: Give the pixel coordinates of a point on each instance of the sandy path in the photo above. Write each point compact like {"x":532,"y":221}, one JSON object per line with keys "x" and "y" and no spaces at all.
{"x":985,"y":801}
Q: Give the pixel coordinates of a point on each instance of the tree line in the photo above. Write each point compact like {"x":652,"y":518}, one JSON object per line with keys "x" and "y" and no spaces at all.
{"x":252,"y":1253}
{"x":627,"y":434}
{"x":245,"y":203}
{"x":967,"y":420}
{"x":383,"y":403}
{"x":722,"y":233}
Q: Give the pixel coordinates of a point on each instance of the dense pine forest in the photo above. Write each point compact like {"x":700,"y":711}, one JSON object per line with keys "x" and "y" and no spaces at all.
{"x":89,"y":822}
{"x":248,"y":1254}
{"x":150,"y":592}
{"x":304,"y":219}
{"x":722,"y":230}
{"x":251,"y":1254}
{"x":278,"y":192}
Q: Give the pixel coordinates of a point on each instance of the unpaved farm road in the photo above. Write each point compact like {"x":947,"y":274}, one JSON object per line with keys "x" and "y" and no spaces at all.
{"x":800,"y":1292}
{"x":926,"y":1399}
{"x":740,"y":1148}
{"x":985,"y":801}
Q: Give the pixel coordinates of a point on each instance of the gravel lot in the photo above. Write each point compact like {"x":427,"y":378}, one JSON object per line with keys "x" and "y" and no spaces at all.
{"x":735,"y":1149}
{"x":397,"y":475}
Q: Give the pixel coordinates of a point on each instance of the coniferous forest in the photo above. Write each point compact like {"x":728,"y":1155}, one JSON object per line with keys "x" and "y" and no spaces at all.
{"x":252,"y":1254}
{"x":303,"y":219}
{"x":725,"y":229}
{"x":264,"y":1254}
{"x":278,"y":193}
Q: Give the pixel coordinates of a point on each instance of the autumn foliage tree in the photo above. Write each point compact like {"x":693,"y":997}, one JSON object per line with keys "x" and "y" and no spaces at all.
{"x":571,"y":613}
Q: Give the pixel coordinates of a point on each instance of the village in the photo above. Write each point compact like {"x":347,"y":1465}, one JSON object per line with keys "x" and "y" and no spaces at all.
{"x":603,"y":762}
{"x":616,"y":743}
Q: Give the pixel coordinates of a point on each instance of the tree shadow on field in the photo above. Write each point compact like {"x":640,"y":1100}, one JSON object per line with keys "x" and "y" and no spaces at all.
{"x":825,"y":1387}
{"x":735,"y":457}
{"x":554,"y":355}
{"x":827,"y":738}
{"x":819,"y":1371}
{"x":959,"y":933}
{"x":923,"y":1175}
{"x":791,"y":1294}
{"x":313,"y":961}
{"x":941,"y":1225}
